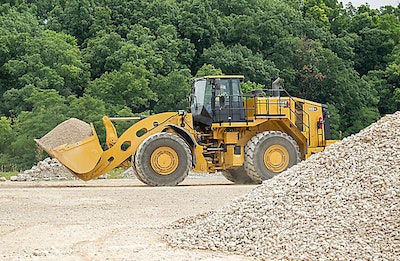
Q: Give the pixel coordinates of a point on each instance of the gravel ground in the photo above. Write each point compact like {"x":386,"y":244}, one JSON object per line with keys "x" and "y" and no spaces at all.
{"x":105,"y":219}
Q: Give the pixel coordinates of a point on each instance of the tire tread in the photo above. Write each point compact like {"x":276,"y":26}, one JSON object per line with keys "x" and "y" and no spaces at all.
{"x":251,"y":150}
{"x":140,"y":172}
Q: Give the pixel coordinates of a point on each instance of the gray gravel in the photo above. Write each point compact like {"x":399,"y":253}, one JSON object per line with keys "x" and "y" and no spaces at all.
{"x":341,"y":204}
{"x":47,"y":169}
{"x":67,"y":132}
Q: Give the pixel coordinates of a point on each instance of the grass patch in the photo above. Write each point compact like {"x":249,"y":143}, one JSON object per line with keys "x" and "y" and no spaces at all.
{"x":116,"y":173}
{"x":8,"y":174}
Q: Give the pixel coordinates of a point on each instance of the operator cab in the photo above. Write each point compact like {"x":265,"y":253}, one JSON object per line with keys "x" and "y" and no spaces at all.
{"x":217,"y":99}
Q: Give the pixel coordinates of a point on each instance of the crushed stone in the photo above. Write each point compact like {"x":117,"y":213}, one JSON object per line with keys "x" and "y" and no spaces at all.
{"x":340,"y":204}
{"x":67,"y":132}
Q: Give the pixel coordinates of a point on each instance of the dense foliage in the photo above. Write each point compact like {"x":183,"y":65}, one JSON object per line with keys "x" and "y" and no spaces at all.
{"x":88,"y":58}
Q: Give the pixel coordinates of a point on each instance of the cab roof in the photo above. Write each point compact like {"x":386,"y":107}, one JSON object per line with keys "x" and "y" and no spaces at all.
{"x":220,"y":77}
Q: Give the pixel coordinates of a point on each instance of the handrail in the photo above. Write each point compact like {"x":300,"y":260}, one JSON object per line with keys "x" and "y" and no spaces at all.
{"x":286,"y":99}
{"x":305,"y":124}
{"x":273,"y":108}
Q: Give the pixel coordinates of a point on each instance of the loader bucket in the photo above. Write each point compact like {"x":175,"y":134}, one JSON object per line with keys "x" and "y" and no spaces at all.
{"x":75,"y":144}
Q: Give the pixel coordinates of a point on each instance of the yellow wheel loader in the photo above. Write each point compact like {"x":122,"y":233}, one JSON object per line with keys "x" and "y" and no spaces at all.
{"x":247,"y":137}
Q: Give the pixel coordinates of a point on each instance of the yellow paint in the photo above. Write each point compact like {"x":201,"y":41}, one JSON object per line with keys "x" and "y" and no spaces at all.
{"x":231,"y":159}
{"x":80,"y":157}
{"x":164,"y":160}
{"x":276,"y":158}
{"x":87,"y":160}
{"x":111,"y":133}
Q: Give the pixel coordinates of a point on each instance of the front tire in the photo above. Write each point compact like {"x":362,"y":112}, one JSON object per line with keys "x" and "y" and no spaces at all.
{"x":270,"y":153}
{"x":163,"y":159}
{"x":134,"y":169}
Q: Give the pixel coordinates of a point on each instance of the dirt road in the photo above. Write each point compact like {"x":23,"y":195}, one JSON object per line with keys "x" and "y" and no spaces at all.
{"x":104,"y":219}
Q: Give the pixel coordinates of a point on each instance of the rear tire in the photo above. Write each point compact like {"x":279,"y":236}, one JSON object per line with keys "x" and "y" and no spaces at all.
{"x":270,"y":153}
{"x":163,"y":159}
{"x":237,"y":176}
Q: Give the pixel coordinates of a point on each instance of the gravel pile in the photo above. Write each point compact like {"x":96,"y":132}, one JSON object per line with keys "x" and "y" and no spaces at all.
{"x":47,"y":169}
{"x":67,"y":132}
{"x":340,"y":204}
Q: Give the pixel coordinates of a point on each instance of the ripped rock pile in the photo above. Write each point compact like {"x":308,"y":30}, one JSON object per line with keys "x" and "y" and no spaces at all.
{"x":340,"y":204}
{"x":47,"y":169}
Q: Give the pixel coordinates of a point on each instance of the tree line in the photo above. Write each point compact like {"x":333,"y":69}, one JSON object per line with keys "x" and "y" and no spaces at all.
{"x":89,"y":58}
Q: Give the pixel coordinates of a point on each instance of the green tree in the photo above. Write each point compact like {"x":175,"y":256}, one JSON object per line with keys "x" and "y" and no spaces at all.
{"x":176,"y":53}
{"x":86,"y":108}
{"x":173,"y":91}
{"x":239,"y":59}
{"x":14,"y":100}
{"x":249,"y":86}
{"x":49,"y":109}
{"x":385,"y":90}
{"x":316,"y":73}
{"x":102,"y":21}
{"x":208,"y":69}
{"x":372,"y":50}
{"x":160,"y":51}
{"x":393,"y":78}
{"x":197,"y":21}
{"x":126,"y":87}
{"x":50,"y":60}
{"x":386,"y":83}
{"x":6,"y":138}
{"x":99,"y":50}
{"x":74,"y":17}
{"x":15,"y":27}
{"x":138,"y":50}
{"x":42,"y":58}
{"x":318,"y":12}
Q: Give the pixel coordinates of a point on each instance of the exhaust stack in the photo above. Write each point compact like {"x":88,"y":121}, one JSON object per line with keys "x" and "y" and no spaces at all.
{"x":276,"y":88}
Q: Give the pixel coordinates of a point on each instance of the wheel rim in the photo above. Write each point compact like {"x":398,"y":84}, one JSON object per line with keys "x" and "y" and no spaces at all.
{"x":164,"y":160}
{"x":276,"y":158}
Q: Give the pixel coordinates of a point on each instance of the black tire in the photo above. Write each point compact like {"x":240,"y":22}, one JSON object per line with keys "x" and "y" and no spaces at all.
{"x":163,"y":159}
{"x":237,"y":176}
{"x":259,"y":151}
{"x":134,"y":170}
